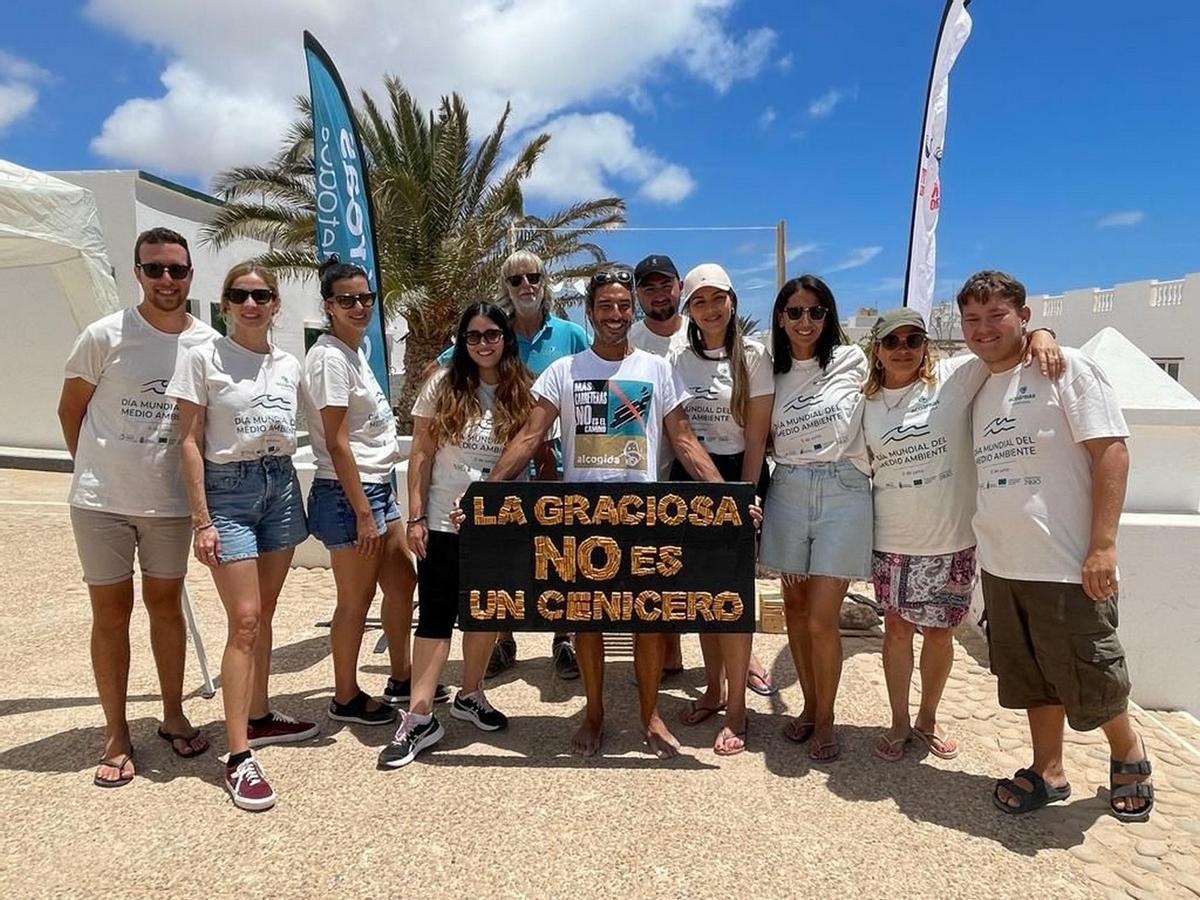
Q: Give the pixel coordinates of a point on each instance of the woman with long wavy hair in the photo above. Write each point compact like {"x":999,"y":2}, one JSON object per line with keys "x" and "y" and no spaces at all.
{"x":464,"y":415}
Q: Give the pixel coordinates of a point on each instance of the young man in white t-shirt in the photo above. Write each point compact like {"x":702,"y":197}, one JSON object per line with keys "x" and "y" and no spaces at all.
{"x":1051,"y":464}
{"x":616,"y":405}
{"x":127,"y":492}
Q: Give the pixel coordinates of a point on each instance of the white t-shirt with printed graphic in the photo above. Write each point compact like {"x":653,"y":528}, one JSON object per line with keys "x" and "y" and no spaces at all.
{"x":709,"y":383}
{"x":127,"y":461}
{"x":338,"y":375}
{"x":1033,"y":514}
{"x":456,"y":465}
{"x":250,"y":399}
{"x":817,"y":416}
{"x":611,"y":412}
{"x":919,"y":438}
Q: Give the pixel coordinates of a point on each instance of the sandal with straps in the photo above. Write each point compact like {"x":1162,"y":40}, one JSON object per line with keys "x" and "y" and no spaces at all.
{"x":1028,"y":799}
{"x":1139,"y":790}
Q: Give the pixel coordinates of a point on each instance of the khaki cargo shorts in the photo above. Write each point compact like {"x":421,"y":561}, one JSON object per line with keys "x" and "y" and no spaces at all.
{"x":1052,"y":645}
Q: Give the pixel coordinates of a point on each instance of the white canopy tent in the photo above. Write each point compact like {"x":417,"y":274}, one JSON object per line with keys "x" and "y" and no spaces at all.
{"x":55,"y":278}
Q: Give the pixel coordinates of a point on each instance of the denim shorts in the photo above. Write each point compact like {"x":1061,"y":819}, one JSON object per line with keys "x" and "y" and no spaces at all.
{"x":331,"y":518}
{"x":818,"y":519}
{"x":255,"y":505}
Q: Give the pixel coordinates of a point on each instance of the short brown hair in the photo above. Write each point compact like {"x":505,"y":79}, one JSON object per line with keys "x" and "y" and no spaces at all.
{"x":988,"y":284}
{"x":160,"y":236}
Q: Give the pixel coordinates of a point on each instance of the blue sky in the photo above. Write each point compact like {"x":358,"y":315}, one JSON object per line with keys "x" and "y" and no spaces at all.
{"x":1070,"y":158}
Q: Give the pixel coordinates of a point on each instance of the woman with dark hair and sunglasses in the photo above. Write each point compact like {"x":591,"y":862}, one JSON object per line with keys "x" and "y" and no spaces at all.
{"x":917,"y":425}
{"x":237,"y":417}
{"x":730,"y":388}
{"x":352,"y":505}
{"x":463,"y":416}
{"x":817,"y":517}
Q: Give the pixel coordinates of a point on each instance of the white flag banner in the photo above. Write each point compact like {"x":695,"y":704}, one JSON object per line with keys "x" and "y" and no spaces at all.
{"x":921,"y":274}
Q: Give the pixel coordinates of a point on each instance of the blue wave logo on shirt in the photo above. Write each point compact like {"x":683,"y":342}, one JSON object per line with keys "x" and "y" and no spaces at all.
{"x":270,"y":401}
{"x":999,"y":425}
{"x":155,"y":386}
{"x":906,"y":432}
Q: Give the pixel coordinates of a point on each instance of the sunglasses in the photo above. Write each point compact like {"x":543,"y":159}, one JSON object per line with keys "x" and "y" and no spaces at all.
{"x":612,"y":276}
{"x":796,"y":313}
{"x":534,"y":278}
{"x":347,"y":301}
{"x":177,"y":271}
{"x":491,"y":336}
{"x":241,"y":295}
{"x":911,"y":341}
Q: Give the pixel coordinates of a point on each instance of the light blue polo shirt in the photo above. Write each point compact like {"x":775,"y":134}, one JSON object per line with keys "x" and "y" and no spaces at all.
{"x":555,"y":339}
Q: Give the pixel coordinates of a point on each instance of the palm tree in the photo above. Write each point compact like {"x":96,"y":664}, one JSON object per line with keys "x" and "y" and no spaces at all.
{"x":446,"y":216}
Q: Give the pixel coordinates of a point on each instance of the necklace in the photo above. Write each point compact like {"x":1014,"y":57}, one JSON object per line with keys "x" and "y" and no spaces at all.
{"x":892,"y":407}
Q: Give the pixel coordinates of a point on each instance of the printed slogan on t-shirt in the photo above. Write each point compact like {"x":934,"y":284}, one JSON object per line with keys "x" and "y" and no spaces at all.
{"x":610,"y":423}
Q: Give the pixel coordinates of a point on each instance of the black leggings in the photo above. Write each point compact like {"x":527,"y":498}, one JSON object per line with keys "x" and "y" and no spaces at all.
{"x":437,"y":583}
{"x":730,"y":467}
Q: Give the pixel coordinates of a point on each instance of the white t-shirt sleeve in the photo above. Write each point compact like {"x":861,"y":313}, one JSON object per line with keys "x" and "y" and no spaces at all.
{"x":190,"y":381}
{"x":674,"y":390}
{"x":332,"y":382}
{"x":967,"y":372}
{"x":1090,"y":405}
{"x":424,"y":406}
{"x":87,"y":356}
{"x":759,"y":370}
{"x":549,"y":385}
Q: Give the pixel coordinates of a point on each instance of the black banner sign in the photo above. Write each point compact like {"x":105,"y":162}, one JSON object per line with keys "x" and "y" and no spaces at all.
{"x":560,"y":556}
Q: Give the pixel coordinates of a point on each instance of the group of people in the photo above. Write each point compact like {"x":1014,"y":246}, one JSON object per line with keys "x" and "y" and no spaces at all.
{"x":888,"y":464}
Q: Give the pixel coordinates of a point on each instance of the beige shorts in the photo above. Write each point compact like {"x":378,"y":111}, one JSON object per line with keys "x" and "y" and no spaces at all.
{"x":106,"y":543}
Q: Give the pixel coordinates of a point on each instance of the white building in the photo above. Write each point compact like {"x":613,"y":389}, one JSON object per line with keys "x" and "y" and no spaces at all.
{"x":1161,"y":317}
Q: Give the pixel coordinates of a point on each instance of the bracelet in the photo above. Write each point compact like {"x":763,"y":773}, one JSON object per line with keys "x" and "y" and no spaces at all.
{"x":418,"y":520}
{"x":196,"y":529}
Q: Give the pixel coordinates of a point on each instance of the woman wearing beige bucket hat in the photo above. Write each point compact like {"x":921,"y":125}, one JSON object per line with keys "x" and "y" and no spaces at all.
{"x":730,"y":387}
{"x":917,"y":427}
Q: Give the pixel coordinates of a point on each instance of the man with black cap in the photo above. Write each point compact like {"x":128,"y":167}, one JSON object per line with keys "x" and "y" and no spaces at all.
{"x":658,"y":286}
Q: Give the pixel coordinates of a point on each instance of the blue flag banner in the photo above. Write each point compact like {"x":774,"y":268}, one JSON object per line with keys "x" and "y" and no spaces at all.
{"x":345,"y":214}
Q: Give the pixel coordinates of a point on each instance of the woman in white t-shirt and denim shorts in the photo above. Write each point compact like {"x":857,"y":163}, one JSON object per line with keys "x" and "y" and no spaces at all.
{"x":817,"y":517}
{"x":352,"y":505}
{"x":237,"y":401}
{"x":917,"y":424}
{"x":464,"y":415}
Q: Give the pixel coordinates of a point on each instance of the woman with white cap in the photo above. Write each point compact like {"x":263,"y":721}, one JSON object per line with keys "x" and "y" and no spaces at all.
{"x":730,"y":387}
{"x":917,"y":426}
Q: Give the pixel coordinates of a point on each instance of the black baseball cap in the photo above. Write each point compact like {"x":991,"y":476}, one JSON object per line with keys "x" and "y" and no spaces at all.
{"x":654,"y":264}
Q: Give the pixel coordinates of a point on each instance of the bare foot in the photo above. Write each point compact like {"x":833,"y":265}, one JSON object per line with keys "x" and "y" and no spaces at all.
{"x":660,"y":740}
{"x":586,"y":741}
{"x":731,"y":739}
{"x":824,"y":746}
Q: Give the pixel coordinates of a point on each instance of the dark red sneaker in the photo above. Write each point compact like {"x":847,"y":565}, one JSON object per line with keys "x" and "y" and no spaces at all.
{"x":249,"y":786}
{"x":280,"y":729}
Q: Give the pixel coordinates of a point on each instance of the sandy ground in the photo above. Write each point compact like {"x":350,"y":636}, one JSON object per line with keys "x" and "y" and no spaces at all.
{"x":514,"y":814}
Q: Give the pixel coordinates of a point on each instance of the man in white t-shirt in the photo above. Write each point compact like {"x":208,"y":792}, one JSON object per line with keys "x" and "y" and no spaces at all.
{"x":127,"y":492}
{"x":1051,"y":464}
{"x":616,"y":405}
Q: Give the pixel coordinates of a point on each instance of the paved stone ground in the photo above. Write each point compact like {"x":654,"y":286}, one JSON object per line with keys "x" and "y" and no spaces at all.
{"x":515,"y":814}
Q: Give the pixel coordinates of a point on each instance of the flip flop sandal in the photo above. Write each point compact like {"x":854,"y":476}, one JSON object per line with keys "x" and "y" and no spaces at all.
{"x":187,"y":739}
{"x":1028,"y":800}
{"x":938,"y":746}
{"x":768,"y":688}
{"x":119,"y":763}
{"x":805,"y":732}
{"x":1132,"y":790}
{"x":886,"y":748}
{"x":694,"y":713}
{"x":817,"y":752}
{"x":736,"y":750}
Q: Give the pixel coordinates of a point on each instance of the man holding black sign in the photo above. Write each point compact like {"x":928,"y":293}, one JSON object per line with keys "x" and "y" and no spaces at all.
{"x":616,"y":405}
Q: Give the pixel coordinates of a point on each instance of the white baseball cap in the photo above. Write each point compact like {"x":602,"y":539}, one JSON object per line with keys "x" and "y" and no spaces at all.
{"x":705,"y":275}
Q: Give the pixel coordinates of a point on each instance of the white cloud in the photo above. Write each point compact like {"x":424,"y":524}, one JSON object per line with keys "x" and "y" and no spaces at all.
{"x":232,"y":61}
{"x":767,"y":262}
{"x":597,"y":155}
{"x":889,"y":285}
{"x":767,"y":118}
{"x":824,"y":105}
{"x":859,"y":256}
{"x":785,"y":62}
{"x":1121,"y":219}
{"x":18,"y":87}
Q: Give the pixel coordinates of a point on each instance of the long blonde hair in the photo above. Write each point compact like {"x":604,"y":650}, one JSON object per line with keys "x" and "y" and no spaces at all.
{"x":874,"y":382}
{"x":456,"y":403}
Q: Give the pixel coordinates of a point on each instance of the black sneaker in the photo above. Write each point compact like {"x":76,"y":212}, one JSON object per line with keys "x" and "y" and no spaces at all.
{"x":358,"y":712}
{"x":504,"y":656}
{"x":410,"y":739}
{"x":474,"y":708}
{"x":566,"y":666}
{"x":399,"y":692}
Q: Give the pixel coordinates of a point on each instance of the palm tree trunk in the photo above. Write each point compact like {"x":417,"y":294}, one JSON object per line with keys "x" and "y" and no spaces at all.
{"x":420,"y":351}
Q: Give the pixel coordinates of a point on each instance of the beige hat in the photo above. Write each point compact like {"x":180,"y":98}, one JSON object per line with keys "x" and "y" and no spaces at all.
{"x":705,"y":275}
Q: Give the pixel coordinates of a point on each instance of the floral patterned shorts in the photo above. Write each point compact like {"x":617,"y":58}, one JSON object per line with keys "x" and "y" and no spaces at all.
{"x":929,"y":591}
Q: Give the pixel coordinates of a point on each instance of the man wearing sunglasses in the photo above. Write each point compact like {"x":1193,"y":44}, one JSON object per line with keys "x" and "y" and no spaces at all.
{"x":127,"y":493}
{"x":616,"y":405}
